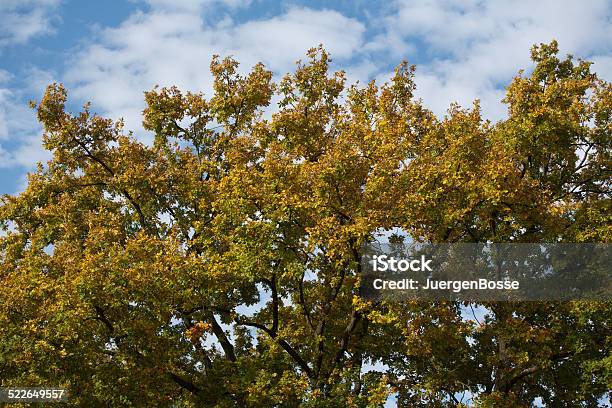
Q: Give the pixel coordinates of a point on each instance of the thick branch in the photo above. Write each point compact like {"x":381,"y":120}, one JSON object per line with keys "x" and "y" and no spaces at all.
{"x":350,"y":328}
{"x":519,"y":376}
{"x":533,"y":369}
{"x":283,"y":343}
{"x":227,"y":346}
{"x":275,"y":302}
{"x":302,"y":301}
{"x":101,"y":317}
{"x":127,"y":195}
{"x":188,"y":385}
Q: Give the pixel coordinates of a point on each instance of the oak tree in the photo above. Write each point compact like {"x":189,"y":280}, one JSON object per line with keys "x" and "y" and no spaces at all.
{"x":220,"y":265}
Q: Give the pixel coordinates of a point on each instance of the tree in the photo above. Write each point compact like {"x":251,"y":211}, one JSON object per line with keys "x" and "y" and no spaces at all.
{"x":220,"y":266}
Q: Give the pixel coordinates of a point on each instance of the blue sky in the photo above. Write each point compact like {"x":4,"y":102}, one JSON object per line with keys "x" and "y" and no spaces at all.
{"x":109,"y":52}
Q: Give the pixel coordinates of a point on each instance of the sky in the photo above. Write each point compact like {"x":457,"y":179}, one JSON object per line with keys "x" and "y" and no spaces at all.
{"x":109,"y":52}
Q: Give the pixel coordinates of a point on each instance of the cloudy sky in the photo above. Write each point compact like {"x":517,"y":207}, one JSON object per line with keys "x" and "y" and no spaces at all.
{"x":109,"y":51}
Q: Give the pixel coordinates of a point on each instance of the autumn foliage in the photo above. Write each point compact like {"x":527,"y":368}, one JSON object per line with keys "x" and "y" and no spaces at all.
{"x":219,"y":266}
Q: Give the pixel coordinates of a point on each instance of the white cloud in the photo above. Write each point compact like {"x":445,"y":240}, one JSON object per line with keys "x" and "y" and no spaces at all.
{"x":27,"y":154}
{"x":38,"y":80}
{"x":18,"y":123}
{"x":4,"y":103}
{"x":472,"y":48}
{"x":6,"y":159}
{"x":193,"y":5}
{"x":175,"y":47}
{"x":21,"y":21}
{"x":30,"y":151}
{"x":465,"y":49}
{"x":24,"y":19}
{"x":12,"y":115}
{"x":280,"y":40}
{"x":602,"y":65}
{"x":455,"y":26}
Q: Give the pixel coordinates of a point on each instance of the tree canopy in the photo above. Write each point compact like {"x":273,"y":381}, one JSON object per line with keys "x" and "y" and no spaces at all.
{"x":219,"y":265}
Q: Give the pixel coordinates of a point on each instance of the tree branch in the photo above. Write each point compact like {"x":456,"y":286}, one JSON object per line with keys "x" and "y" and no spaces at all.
{"x":283,"y":343}
{"x":127,"y":195}
{"x":227,"y":346}
{"x":350,"y":328}
{"x":188,"y":385}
